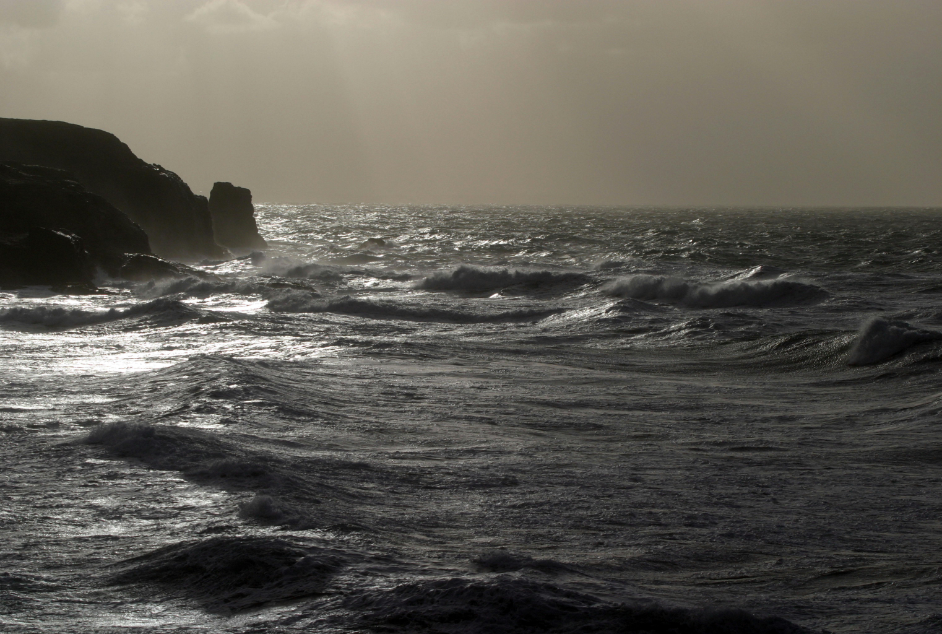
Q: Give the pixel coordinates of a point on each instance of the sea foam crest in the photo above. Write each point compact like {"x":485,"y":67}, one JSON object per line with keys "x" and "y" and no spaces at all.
{"x":879,"y":339}
{"x":472,"y":279}
{"x":757,"y":293}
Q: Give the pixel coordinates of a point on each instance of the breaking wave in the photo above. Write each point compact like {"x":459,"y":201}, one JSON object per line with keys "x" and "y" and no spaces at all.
{"x":164,"y":310}
{"x":758,"y":293}
{"x":880,"y":339}
{"x":300,"y":302}
{"x":471,"y":279}
{"x":265,"y":509}
{"x":201,"y":288}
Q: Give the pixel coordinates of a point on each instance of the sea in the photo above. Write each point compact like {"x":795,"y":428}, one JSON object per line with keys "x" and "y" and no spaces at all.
{"x":487,"y":419}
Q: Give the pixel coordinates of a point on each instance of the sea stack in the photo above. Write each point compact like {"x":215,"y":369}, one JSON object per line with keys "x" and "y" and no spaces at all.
{"x":176,"y":220}
{"x":234,"y":217}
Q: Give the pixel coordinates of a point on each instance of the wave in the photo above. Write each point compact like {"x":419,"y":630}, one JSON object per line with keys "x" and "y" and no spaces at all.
{"x":265,"y":509}
{"x":166,"y":311}
{"x":288,"y":490}
{"x":879,"y":339}
{"x":231,"y":574}
{"x":196,"y":454}
{"x":165,"y":448}
{"x":503,"y":561}
{"x":759,"y":293}
{"x":506,"y":605}
{"x":288,"y":267}
{"x":761,"y":272}
{"x":298,"y":302}
{"x":471,"y":279}
{"x":200,"y":288}
{"x":209,"y":385}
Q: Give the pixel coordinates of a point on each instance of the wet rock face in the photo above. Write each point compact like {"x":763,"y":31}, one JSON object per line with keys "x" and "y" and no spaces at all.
{"x":234,"y":217}
{"x":54,"y":231}
{"x":176,"y":220}
{"x":46,"y":257}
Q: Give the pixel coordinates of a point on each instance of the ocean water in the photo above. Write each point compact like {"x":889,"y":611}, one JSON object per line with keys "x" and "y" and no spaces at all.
{"x":503,"y":419}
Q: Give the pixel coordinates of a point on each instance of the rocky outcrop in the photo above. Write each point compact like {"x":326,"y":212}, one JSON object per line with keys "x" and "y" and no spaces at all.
{"x":176,"y":220}
{"x":234,"y":217}
{"x":138,"y":267}
{"x":44,"y":256}
{"x":54,"y":231}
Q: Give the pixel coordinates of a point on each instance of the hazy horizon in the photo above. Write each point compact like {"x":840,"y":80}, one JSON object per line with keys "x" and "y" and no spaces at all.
{"x":641,"y":104}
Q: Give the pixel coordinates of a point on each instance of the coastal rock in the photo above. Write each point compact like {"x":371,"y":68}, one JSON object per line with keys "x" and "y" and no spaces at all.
{"x":138,"y":267}
{"x":176,"y":220}
{"x":54,"y":231}
{"x":234,"y":217}
{"x":43,"y":256}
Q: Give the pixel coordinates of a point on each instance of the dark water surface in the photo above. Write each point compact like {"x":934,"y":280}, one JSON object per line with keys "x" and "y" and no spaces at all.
{"x":512,"y":419}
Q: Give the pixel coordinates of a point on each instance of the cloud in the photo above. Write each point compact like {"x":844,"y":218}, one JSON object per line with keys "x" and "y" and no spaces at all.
{"x":229,"y":16}
{"x":33,"y":14}
{"x":133,"y":12}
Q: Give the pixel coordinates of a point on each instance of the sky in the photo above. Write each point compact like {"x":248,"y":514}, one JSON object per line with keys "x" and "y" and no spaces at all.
{"x":543,"y":102}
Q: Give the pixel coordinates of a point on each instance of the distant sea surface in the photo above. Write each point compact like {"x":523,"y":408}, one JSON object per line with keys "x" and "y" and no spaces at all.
{"x":501,"y":419}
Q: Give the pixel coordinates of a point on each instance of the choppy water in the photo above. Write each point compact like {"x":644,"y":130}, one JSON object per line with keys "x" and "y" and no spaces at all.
{"x":488,"y":420}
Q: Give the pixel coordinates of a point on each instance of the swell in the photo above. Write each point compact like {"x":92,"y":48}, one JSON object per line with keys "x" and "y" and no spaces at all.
{"x":472,"y":279}
{"x":880,"y":339}
{"x":889,"y":346}
{"x":294,"y":487}
{"x":507,"y":605}
{"x":728,"y":294}
{"x":232,"y":574}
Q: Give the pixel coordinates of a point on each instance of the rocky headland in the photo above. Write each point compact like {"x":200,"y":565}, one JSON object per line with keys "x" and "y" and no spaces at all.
{"x":176,"y":221}
{"x":55,"y":232}
{"x":76,"y":203}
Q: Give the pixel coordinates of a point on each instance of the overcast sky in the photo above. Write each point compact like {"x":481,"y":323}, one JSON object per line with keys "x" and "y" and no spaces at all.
{"x":659,"y":102}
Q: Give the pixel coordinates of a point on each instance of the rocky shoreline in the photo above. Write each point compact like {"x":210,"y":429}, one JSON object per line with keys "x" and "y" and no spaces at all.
{"x":76,"y":203}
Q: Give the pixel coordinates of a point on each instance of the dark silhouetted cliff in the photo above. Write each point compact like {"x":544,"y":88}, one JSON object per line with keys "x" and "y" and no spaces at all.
{"x":234,"y":217}
{"x":54,"y":231}
{"x":176,"y":220}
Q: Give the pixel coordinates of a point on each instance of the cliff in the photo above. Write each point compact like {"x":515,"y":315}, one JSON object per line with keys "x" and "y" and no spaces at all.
{"x":176,"y":220}
{"x":234,"y":217}
{"x":54,"y":231}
